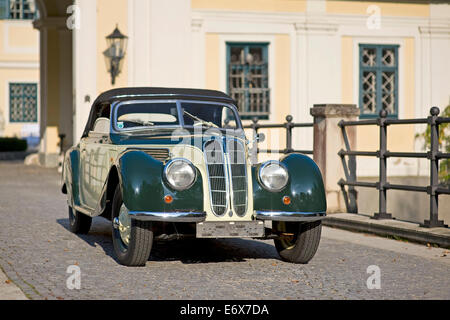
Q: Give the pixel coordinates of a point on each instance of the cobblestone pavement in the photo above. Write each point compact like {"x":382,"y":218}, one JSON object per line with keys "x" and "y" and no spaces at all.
{"x":36,"y":248}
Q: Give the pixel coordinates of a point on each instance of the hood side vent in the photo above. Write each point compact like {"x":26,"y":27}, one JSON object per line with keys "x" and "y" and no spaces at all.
{"x":158,"y":154}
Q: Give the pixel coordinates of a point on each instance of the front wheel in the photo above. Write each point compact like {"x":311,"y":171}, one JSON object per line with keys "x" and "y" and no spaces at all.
{"x":132,"y":239}
{"x":299,"y":240}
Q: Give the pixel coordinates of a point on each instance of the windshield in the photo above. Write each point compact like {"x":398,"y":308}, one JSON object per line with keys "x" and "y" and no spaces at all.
{"x":135,"y":115}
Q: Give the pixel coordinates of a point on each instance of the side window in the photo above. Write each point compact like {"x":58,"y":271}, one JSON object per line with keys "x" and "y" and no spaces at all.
{"x":101,"y":111}
{"x":248,"y":78}
{"x":105,"y":111}
{"x":378,"y":79}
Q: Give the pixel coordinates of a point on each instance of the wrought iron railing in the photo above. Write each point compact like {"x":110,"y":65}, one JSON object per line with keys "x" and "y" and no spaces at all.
{"x":434,"y":155}
{"x":288,"y":125}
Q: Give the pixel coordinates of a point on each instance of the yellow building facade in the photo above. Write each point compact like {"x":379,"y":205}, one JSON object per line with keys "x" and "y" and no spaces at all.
{"x":278,"y":57}
{"x":19,"y":78}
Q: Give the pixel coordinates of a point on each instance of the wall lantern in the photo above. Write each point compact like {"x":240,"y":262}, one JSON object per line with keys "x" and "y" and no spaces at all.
{"x":117,"y":46}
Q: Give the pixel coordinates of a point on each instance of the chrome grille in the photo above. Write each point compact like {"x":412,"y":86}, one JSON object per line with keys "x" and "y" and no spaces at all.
{"x":227,"y":179}
{"x":236,"y":156}
{"x":158,"y":154}
{"x":217,"y":178}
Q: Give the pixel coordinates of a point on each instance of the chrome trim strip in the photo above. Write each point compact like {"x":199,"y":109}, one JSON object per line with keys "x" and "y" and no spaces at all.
{"x":168,"y":216}
{"x":289,"y":216}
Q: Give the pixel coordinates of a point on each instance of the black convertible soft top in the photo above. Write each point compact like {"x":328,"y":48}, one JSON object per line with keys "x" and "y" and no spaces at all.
{"x":151,"y":92}
{"x":129,"y":93}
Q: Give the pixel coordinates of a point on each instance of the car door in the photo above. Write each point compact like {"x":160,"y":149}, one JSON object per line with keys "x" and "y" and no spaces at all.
{"x":85,"y":173}
{"x":97,"y":150}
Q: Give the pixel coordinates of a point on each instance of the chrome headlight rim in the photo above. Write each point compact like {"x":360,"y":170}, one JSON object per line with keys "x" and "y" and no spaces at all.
{"x":263,"y":166}
{"x":167,"y":167}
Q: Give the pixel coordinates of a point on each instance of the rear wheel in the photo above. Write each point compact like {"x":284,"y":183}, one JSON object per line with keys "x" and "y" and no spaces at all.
{"x":78,"y":222}
{"x":132,"y":239}
{"x":299,"y":241}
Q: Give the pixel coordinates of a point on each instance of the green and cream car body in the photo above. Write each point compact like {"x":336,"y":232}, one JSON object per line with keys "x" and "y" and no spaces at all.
{"x":165,"y":164}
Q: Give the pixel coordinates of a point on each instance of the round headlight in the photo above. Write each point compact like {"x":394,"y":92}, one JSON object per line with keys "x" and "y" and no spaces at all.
{"x":180,"y":174}
{"x":273,"y":175}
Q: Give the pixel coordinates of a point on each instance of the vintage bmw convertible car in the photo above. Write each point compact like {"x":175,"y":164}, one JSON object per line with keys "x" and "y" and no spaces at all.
{"x":165,"y":164}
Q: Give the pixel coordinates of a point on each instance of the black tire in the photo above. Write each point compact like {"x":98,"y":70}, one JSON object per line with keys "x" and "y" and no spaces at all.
{"x":78,"y":222}
{"x":302,"y":246}
{"x":137,"y":251}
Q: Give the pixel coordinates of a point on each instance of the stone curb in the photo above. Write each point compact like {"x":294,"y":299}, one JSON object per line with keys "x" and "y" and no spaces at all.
{"x":394,"y":228}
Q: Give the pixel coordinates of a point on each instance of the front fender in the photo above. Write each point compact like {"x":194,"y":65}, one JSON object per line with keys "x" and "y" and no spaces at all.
{"x":143,"y":186}
{"x":305,"y":188}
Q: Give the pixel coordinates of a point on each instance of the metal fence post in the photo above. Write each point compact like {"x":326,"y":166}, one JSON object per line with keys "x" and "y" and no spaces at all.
{"x":382,"y":183}
{"x":434,"y":170}
{"x":288,"y":125}
{"x":254,"y":151}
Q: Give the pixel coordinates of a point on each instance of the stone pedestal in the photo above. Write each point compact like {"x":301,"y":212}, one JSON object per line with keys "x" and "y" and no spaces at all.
{"x":328,"y":140}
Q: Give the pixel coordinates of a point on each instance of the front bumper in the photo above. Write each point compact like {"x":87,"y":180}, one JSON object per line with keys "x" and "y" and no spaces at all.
{"x":168,"y":216}
{"x":289,"y":216}
{"x":201,"y":216}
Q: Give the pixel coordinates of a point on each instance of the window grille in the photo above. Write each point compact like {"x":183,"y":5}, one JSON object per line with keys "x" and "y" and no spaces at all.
{"x":17,"y":9}
{"x":248,"y":79}
{"x":23,"y":102}
{"x":378,"y":84}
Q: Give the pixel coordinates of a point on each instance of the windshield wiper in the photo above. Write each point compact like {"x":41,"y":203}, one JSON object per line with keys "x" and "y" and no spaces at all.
{"x":210,"y":124}
{"x":144,"y":123}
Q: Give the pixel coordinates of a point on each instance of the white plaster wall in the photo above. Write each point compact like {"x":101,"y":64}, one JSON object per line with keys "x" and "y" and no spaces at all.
{"x":139,"y":42}
{"x":159,"y":48}
{"x":170,"y":51}
{"x":84,"y":64}
{"x":440,"y":71}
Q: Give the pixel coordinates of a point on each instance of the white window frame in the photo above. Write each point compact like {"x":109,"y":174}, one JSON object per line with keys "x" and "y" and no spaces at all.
{"x":401,"y":61}
{"x":248,"y":39}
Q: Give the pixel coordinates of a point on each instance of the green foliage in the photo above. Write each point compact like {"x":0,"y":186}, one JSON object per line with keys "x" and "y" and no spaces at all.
{"x":13,"y":144}
{"x":444,"y":144}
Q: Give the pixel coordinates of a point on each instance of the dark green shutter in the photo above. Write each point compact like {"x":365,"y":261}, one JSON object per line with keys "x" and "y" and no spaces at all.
{"x":4,"y":9}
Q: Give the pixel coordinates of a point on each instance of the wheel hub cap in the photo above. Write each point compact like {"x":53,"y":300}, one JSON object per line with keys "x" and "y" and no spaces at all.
{"x":124,"y":224}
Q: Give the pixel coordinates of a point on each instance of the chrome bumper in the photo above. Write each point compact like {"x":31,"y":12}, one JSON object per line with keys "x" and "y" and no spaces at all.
{"x":289,"y":216}
{"x":168,"y":216}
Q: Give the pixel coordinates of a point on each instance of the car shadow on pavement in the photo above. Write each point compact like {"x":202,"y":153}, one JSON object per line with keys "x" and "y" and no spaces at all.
{"x":186,"y":251}
{"x":99,"y":234}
